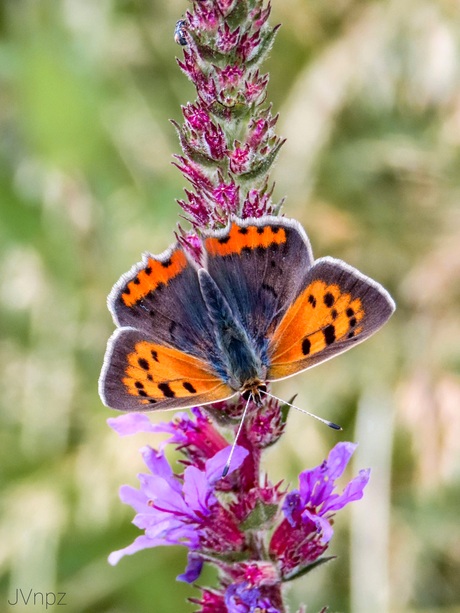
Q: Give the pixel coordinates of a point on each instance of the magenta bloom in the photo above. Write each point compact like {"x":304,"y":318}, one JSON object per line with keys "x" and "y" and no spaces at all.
{"x":305,"y":532}
{"x":193,"y":508}
{"x":175,"y":511}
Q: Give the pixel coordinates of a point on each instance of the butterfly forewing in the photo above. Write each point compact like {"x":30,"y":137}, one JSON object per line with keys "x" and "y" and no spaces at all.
{"x":259,"y":265}
{"x":161,"y":296}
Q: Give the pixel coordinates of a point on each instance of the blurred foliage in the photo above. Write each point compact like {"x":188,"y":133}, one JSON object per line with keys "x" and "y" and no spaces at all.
{"x":369,"y":99}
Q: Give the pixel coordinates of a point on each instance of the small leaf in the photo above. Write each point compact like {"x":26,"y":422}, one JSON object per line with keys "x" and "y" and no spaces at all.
{"x":264,"y":48}
{"x":285,"y":408}
{"x":261,"y":515}
{"x":238,"y":15}
{"x":300,"y":571}
{"x":264,"y":165}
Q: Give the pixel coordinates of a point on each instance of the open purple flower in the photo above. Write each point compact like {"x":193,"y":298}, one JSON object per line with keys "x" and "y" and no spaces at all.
{"x":174,"y":511}
{"x":228,"y":522}
{"x":304,"y":534}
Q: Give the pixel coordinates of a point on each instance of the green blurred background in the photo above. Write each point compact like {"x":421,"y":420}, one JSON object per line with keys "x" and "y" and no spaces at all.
{"x":369,"y":99}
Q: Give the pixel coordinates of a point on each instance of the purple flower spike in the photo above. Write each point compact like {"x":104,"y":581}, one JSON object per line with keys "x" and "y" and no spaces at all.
{"x":257,"y":534}
{"x":230,"y":92}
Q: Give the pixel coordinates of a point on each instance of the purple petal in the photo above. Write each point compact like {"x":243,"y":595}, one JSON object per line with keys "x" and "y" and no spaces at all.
{"x":164,"y":496}
{"x":323,"y":526}
{"x":142,"y":542}
{"x":239,"y":597}
{"x":131,"y":423}
{"x":171,"y":427}
{"x":160,"y":467}
{"x":174,"y":533}
{"x":197,"y":491}
{"x":291,"y":504}
{"x":317,"y":484}
{"x":338,"y":458}
{"x":193,"y":570}
{"x":135,"y":498}
{"x":353,"y":491}
{"x":216,"y":464}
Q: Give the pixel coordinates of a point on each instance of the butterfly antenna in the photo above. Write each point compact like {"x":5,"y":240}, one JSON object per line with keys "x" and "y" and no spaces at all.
{"x":227,"y":465}
{"x":331,"y":424}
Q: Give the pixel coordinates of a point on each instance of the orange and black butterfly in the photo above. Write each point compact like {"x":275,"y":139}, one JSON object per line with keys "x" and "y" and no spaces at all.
{"x":260,"y":309}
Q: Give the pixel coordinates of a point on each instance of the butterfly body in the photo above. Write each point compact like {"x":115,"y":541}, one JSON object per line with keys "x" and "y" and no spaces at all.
{"x":258,"y":310}
{"x":244,"y":370}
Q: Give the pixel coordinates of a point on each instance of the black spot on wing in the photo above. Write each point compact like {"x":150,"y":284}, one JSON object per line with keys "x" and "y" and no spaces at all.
{"x":329,"y":334}
{"x":189,"y":387}
{"x":306,"y":346}
{"x":166,"y":390}
{"x":143,"y":363}
{"x":328,"y":299}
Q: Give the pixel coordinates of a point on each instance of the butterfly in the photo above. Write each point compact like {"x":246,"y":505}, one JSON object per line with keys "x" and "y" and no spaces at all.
{"x":258,"y":310}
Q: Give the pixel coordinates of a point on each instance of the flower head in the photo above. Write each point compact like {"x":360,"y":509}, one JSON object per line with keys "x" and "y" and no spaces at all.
{"x":182,"y":511}
{"x":305,"y":532}
{"x":227,"y":520}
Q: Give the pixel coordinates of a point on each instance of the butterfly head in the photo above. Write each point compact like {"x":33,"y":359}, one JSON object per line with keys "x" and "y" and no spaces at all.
{"x":253,"y":390}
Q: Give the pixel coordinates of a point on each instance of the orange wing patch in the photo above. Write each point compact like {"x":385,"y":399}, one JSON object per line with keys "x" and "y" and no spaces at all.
{"x":320,"y":316}
{"x":155,"y":373}
{"x":245,"y":237}
{"x":155,"y":274}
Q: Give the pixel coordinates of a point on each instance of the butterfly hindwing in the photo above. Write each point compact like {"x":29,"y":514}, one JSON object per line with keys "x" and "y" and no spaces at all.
{"x":259,"y":265}
{"x":140,"y":374}
{"x":337,"y":308}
